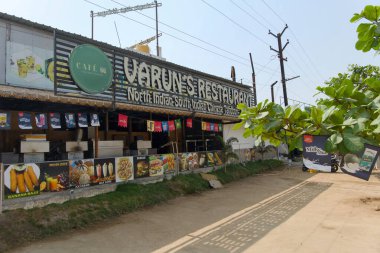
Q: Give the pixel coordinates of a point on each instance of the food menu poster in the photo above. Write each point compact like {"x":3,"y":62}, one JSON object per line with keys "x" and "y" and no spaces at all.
{"x":124,"y":168}
{"x":361,"y":165}
{"x":141,"y":165}
{"x":156,"y":167}
{"x":104,"y":171}
{"x":81,"y":173}
{"x":24,"y":120}
{"x":54,"y":176}
{"x":21,"y":180}
{"x":5,"y":120}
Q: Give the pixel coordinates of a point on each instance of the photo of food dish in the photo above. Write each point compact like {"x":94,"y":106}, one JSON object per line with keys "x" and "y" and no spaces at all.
{"x":21,"y":178}
{"x":54,"y":176}
{"x":124,"y":168}
{"x":141,"y":165}
{"x":217,"y":158}
{"x":80,"y":172}
{"x":168,"y":163}
{"x":210,"y":158}
{"x":155,"y":166}
{"x":183,"y":162}
{"x":104,"y":171}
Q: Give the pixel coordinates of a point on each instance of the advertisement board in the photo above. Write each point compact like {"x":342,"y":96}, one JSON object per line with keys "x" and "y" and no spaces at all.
{"x":314,"y":155}
{"x":141,"y":165}
{"x":82,"y":173}
{"x":21,"y":180}
{"x":124,"y":168}
{"x":54,"y":176}
{"x":361,"y":165}
{"x":104,"y":171}
{"x":30,"y":66}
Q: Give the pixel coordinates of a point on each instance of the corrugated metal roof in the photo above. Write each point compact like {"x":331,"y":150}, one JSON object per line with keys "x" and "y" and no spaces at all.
{"x":46,"y":28}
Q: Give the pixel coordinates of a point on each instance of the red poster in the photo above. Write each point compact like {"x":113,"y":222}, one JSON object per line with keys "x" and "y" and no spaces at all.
{"x":216,"y":128}
{"x":208,"y":126}
{"x":171,"y":125}
{"x":189,"y":123}
{"x":157,"y":126}
{"x":123,"y":120}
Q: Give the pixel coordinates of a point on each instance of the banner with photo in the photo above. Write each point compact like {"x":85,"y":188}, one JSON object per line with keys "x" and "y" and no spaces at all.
{"x":361,"y":166}
{"x":21,"y":180}
{"x":70,"y":120}
{"x":41,"y":120}
{"x":104,"y":171}
{"x":156,"y":167}
{"x":124,"y":168}
{"x":81,"y":173}
{"x":82,"y":119}
{"x":54,"y":176}
{"x":314,"y":155}
{"x":94,"y":119}
{"x":168,"y":163}
{"x":55,"y":120}
{"x":29,"y":65}
{"x":141,"y":166}
{"x":5,"y":120}
{"x":24,"y":120}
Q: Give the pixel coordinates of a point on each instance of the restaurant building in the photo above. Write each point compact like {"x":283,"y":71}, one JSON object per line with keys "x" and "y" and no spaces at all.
{"x":65,"y":97}
{"x":107,"y":81}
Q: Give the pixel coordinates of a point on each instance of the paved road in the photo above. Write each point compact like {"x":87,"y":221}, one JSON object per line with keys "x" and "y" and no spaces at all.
{"x":287,"y":211}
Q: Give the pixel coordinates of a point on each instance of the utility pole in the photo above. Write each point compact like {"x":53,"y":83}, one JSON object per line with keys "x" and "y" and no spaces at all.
{"x":158,"y":48}
{"x":253,"y":82}
{"x":271,"y":90}
{"x":282,"y":59}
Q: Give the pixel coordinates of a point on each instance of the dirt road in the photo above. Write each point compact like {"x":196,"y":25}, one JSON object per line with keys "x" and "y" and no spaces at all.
{"x":286,"y":211}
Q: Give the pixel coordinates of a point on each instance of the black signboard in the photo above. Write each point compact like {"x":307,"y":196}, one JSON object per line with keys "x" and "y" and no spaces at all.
{"x":314,"y":155}
{"x":55,"y":120}
{"x":361,"y":166}
{"x":82,"y":120}
{"x":24,"y":120}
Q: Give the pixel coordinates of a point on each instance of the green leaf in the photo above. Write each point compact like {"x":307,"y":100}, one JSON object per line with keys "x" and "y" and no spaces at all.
{"x":353,"y":143}
{"x":247,"y":133}
{"x":356,"y":17}
{"x":262,"y":115}
{"x":376,"y":121}
{"x":373,"y":83}
{"x":273,"y":124}
{"x":349,"y":122}
{"x":336,"y":138}
{"x":327,"y":113}
{"x":360,"y":44}
{"x":370,"y":13}
{"x":241,"y":106}
{"x":238,"y":125}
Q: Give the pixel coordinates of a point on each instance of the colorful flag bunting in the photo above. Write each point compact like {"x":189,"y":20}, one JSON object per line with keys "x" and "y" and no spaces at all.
{"x":208,"y":127}
{"x":189,"y":123}
{"x":212,"y":127}
{"x":157,"y":126}
{"x":204,"y":126}
{"x":220,"y":127}
{"x":178,"y":124}
{"x":5,"y":120}
{"x":165,"y":127}
{"x":122,"y":120}
{"x":150,"y":125}
{"x":216,"y":127}
{"x":171,"y":125}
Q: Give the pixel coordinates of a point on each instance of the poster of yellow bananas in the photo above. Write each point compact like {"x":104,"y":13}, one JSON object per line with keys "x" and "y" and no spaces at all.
{"x":30,"y":65}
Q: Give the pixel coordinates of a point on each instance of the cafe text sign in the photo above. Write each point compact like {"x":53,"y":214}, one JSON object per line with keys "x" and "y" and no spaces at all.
{"x":151,"y":84}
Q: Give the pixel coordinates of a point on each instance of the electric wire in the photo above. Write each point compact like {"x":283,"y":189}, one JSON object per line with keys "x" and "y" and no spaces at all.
{"x":295,"y":37}
{"x":249,"y":14}
{"x":170,"y":35}
{"x":258,"y":14}
{"x":236,"y":23}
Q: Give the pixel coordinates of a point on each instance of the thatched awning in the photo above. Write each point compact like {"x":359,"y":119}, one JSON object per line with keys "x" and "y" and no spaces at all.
{"x":48,"y":96}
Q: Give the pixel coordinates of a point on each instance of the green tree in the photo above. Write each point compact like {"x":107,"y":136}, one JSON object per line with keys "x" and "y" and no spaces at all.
{"x":369,"y":31}
{"x":227,"y":150}
{"x":349,"y":114}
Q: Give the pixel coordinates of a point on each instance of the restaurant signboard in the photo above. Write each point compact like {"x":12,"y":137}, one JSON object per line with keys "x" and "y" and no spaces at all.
{"x":104,"y":72}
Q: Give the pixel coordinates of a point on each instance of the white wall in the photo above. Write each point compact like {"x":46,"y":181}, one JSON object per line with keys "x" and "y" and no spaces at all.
{"x":243,"y":142}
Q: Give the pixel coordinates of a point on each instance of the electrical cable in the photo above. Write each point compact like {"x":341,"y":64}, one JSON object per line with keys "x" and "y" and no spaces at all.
{"x":258,"y":14}
{"x":295,"y":37}
{"x":192,"y":36}
{"x":170,"y":35}
{"x":252,"y":17}
{"x":236,"y":23}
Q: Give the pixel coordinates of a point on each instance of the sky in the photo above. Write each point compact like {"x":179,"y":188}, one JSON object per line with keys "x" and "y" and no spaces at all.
{"x":213,"y":35}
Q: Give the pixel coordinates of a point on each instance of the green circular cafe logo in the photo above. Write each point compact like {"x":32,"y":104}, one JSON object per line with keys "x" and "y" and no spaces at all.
{"x":90,"y":68}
